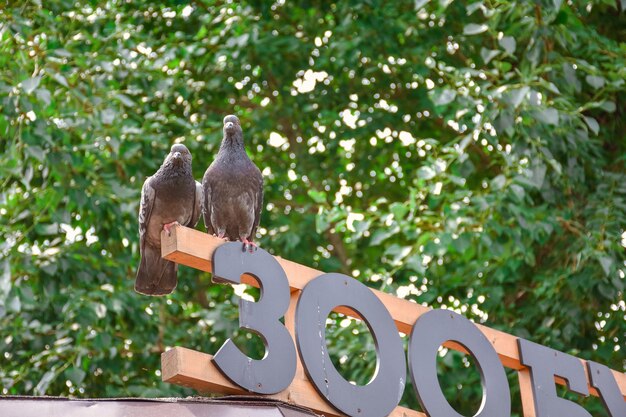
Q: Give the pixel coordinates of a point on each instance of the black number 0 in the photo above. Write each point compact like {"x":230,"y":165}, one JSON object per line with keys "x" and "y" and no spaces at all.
{"x":381,"y":395}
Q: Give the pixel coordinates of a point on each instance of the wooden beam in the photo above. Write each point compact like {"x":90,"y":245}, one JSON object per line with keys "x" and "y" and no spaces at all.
{"x":526,"y":392}
{"x":195,"y":249}
{"x":193,"y":369}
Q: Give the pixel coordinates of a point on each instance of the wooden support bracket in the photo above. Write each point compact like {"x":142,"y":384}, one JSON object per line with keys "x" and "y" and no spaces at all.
{"x":194,"y":369}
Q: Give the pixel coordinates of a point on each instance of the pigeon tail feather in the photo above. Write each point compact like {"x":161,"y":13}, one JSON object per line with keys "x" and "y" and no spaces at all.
{"x":155,"y":276}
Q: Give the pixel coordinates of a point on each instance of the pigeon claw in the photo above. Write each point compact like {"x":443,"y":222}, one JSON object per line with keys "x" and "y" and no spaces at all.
{"x":249,"y":246}
{"x":168,"y":226}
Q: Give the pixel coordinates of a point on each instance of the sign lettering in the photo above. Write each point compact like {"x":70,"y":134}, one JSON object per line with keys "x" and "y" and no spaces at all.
{"x":382,"y":394}
{"x":602,"y":379}
{"x":275,"y":371}
{"x":545,"y":364}
{"x":430,"y":331}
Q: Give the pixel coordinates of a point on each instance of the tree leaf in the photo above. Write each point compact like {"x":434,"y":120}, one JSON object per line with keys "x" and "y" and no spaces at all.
{"x":419,"y":4}
{"x":488,"y":54}
{"x":595,"y":81}
{"x":43,"y":95}
{"x":593,"y":124}
{"x":539,"y":174}
{"x":426,"y":172}
{"x":607,"y":263}
{"x":608,"y":106}
{"x":397,"y":252}
{"x":548,"y":115}
{"x":5,"y":280}
{"x":108,"y":116}
{"x":60,"y":79}
{"x":504,"y":122}
{"x":36,"y":152}
{"x":442,"y":97}
{"x":381,"y":235}
{"x":76,"y":375}
{"x":570,"y":76}
{"x":518,"y":191}
{"x":472,"y":7}
{"x":125,"y":100}
{"x":29,"y":85}
{"x":474,"y":29}
{"x":318,"y":196}
{"x":498,"y":182}
{"x":515,"y":97}
{"x":44,"y":382}
{"x":508,"y":43}
{"x":399,"y":210}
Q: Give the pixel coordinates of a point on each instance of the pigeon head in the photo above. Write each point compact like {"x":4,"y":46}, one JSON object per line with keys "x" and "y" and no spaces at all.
{"x":233,"y":135}
{"x":231,"y":125}
{"x":179,"y":155}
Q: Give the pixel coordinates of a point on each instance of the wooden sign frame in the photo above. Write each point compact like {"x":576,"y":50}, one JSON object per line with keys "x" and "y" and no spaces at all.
{"x":195,"y":369}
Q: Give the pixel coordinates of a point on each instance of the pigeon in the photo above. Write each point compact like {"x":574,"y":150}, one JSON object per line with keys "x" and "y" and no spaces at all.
{"x":233,"y":190}
{"x":168,"y":198}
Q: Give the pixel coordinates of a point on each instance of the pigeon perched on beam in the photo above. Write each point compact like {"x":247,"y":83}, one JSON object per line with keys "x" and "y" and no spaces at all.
{"x":170,"y":197}
{"x":233,"y":190}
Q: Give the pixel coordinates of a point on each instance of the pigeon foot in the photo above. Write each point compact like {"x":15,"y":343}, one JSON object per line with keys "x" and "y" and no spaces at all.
{"x":222,"y":236}
{"x":249,"y":245}
{"x":168,"y":226}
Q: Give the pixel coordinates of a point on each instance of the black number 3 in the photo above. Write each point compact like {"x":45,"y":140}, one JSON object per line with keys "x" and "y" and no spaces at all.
{"x":276,"y":370}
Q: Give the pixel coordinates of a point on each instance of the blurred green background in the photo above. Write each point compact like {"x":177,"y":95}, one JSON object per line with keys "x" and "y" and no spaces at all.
{"x":465,"y":155}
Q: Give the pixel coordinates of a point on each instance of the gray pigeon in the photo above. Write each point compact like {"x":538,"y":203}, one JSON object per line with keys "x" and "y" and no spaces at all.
{"x":233,"y":190}
{"x":169,"y":197}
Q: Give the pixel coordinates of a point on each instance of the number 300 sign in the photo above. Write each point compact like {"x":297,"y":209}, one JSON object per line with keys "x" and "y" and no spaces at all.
{"x":275,"y":371}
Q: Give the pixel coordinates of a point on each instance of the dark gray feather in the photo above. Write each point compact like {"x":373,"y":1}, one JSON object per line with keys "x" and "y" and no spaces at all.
{"x":233,"y":188}
{"x":170,"y":195}
{"x":197,"y":206}
{"x":206,"y":206}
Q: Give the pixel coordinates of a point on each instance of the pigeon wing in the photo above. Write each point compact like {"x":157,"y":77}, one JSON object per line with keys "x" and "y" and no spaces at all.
{"x":206,"y":203}
{"x":197,"y":206}
{"x":145,"y":210}
{"x":155,"y":275}
{"x":258,"y":207}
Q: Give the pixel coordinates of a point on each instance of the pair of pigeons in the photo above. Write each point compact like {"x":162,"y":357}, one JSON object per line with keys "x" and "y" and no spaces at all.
{"x":230,"y":199}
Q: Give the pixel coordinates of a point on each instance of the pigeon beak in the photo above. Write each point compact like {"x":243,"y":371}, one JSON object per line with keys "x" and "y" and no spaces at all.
{"x":228,"y":125}
{"x":177,"y":155}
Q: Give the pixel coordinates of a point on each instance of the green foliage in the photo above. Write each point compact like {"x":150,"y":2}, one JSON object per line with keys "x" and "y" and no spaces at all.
{"x":462,"y":155}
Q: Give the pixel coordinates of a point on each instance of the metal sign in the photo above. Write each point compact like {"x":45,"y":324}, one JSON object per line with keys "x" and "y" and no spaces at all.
{"x":382,"y":394}
{"x":275,"y":371}
{"x":431,"y":331}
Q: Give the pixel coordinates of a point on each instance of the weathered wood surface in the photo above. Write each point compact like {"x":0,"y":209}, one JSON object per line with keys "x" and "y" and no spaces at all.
{"x":195,"y":249}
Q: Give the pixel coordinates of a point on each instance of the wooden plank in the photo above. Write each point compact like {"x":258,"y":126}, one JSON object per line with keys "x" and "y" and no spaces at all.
{"x":526,"y":392}
{"x":196,"y":370}
{"x":290,"y":324}
{"x":195,"y":249}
